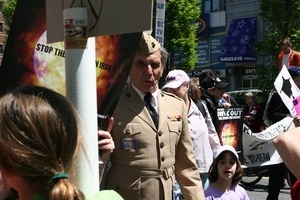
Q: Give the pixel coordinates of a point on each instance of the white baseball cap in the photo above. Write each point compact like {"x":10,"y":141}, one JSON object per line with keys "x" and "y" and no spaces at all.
{"x":217,"y":151}
{"x":176,"y":78}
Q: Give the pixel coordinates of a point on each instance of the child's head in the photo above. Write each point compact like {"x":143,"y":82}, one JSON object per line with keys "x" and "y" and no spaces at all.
{"x":39,"y":138}
{"x":226,"y":160}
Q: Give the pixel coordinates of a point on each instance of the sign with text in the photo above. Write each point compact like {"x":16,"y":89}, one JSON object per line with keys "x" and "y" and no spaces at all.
{"x":287,"y":89}
{"x":29,"y":60}
{"x":209,"y":51}
{"x":160,"y":21}
{"x":258,"y":149}
{"x":229,"y":127}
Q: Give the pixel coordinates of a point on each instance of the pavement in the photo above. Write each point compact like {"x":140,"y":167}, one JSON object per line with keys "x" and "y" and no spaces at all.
{"x":259,"y":191}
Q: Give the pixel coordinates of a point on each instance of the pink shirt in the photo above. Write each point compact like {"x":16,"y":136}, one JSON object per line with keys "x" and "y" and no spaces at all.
{"x":237,"y":193}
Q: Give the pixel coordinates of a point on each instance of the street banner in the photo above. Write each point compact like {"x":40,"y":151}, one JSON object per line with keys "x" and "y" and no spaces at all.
{"x":258,"y":149}
{"x":254,"y":149}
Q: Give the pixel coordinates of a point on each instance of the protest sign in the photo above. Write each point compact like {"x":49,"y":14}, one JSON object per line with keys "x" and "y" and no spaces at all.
{"x":258,"y":149}
{"x":229,"y":127}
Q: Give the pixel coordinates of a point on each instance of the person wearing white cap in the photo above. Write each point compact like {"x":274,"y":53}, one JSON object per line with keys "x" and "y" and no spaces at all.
{"x":202,"y":130}
{"x":151,"y":150}
{"x":224,"y":175}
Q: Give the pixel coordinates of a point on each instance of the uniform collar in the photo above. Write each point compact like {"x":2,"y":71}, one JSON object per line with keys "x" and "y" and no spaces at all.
{"x":141,"y":94}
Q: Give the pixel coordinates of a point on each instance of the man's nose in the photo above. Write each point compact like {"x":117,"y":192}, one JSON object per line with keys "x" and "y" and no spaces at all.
{"x":149,"y":69}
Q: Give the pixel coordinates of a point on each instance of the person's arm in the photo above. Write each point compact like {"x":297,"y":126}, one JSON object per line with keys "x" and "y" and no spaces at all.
{"x":287,"y":145}
{"x":186,"y":170}
{"x":106,"y":145}
{"x":277,"y":109}
{"x":279,"y":61}
{"x":214,"y":139}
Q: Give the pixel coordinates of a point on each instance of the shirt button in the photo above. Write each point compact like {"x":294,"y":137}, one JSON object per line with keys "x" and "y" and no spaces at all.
{"x":161,"y":145}
{"x":159,"y":133}
{"x":162,"y":159}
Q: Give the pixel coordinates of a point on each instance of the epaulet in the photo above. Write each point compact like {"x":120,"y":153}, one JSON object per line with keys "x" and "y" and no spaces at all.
{"x":170,"y":94}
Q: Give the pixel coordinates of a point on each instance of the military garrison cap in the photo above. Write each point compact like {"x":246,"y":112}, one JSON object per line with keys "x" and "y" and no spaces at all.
{"x":148,"y":45}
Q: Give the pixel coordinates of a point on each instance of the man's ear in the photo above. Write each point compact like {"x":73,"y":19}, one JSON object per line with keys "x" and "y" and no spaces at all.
{"x":209,"y":90}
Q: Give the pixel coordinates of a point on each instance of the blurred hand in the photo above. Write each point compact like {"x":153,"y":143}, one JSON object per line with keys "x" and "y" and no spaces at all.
{"x":226,"y":105}
{"x":105,"y":143}
{"x":297,"y":121}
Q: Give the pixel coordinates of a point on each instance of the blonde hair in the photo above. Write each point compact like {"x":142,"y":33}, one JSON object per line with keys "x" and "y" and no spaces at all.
{"x":39,"y":139}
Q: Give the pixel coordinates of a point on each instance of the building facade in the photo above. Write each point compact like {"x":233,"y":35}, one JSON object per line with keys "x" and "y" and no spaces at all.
{"x":228,"y":31}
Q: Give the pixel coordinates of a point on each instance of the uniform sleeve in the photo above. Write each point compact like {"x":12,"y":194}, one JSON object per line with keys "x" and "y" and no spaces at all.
{"x":186,"y":171}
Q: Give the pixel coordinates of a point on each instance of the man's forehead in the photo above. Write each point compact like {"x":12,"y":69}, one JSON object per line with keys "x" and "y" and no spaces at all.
{"x":155,"y":57}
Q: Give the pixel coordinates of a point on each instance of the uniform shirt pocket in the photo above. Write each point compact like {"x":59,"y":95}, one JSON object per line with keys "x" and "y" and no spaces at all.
{"x":174,"y":132}
{"x":131,"y":139}
{"x":132,"y":129}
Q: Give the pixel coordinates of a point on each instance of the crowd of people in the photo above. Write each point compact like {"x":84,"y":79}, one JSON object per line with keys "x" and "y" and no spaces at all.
{"x":161,"y":142}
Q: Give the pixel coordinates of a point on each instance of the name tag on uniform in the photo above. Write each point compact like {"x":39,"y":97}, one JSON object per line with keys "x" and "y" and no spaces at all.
{"x":174,"y":118}
{"x":128,"y":144}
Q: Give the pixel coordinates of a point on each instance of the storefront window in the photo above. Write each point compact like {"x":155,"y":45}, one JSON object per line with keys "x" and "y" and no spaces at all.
{"x":213,"y":6}
{"x":218,"y":5}
{"x":206,"y":6}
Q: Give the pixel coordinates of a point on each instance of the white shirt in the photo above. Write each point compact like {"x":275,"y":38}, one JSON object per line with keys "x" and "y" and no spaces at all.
{"x":285,"y":60}
{"x":204,"y":137}
{"x":153,"y":100}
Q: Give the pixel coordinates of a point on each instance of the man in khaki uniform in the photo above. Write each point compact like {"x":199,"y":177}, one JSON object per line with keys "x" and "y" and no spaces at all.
{"x":147,"y":158}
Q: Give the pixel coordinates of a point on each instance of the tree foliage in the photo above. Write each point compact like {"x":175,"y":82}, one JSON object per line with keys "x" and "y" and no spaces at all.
{"x":8,"y":9}
{"x":180,"y":32}
{"x":282,"y":19}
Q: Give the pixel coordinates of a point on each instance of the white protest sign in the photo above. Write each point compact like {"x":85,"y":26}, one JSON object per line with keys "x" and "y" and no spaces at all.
{"x":287,"y":89}
{"x":105,"y":17}
{"x":258,"y":149}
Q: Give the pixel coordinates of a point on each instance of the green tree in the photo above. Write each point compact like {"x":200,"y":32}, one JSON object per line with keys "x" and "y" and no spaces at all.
{"x":8,"y":9}
{"x":180,"y":32}
{"x":282,"y":20}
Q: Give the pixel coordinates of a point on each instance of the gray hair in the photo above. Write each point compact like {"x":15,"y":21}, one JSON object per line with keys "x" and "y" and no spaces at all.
{"x":164,"y":55}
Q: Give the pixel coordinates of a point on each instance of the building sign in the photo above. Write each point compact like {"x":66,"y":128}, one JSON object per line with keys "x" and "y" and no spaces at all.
{"x":209,"y":51}
{"x":203,"y":53}
{"x":216,"y":45}
{"x":248,"y":71}
{"x":203,"y":29}
{"x":239,"y":43}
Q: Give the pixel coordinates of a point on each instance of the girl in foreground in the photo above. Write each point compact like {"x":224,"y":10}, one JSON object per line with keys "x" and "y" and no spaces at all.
{"x":224,"y":175}
{"x":39,"y":139}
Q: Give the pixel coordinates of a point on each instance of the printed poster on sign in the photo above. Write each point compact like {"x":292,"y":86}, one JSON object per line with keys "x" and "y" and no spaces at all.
{"x":229,"y":127}
{"x":29,"y":60}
